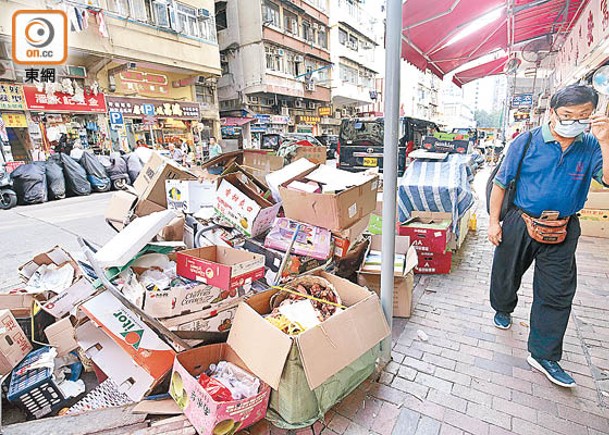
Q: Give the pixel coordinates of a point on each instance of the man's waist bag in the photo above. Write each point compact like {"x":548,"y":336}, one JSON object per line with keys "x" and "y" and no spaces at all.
{"x":549,"y":232}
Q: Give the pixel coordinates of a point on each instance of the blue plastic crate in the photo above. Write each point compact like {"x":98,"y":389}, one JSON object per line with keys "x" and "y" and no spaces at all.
{"x":35,"y":391}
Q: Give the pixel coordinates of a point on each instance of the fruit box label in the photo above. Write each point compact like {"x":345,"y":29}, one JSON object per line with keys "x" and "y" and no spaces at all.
{"x":130,"y":333}
{"x":242,"y":211}
{"x":211,"y":417}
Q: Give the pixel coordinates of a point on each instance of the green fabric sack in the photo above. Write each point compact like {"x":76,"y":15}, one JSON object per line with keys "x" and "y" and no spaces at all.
{"x":294,"y":405}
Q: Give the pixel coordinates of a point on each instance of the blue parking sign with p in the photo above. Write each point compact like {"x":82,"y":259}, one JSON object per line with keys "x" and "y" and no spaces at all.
{"x":116,"y":118}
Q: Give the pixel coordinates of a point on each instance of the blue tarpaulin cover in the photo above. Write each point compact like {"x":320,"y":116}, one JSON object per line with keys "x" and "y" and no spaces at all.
{"x":437,"y":186}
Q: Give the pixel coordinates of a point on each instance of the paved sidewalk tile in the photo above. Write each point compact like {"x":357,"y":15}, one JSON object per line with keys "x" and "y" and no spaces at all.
{"x":469,"y":377}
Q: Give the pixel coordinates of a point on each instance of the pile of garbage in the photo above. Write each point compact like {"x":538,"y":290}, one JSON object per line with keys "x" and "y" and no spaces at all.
{"x":61,"y":176}
{"x":227,"y":296}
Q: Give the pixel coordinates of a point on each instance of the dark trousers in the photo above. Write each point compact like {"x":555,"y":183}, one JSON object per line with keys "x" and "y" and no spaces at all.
{"x":554,"y":282}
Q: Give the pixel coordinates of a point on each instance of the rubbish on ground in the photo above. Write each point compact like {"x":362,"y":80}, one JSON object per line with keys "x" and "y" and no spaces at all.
{"x":422,"y":335}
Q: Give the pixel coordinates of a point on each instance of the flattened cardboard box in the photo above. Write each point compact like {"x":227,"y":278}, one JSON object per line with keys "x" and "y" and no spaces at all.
{"x":57,"y":256}
{"x":132,"y":379}
{"x":324,"y":349}
{"x":69,"y":300}
{"x":14,"y":345}
{"x":120,"y":207}
{"x":334,"y":211}
{"x":204,"y":413}
{"x":403,"y":284}
{"x":61,"y":335}
{"x":132,"y":336}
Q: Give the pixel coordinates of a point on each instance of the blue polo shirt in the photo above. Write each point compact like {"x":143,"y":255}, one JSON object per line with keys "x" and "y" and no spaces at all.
{"x":551,"y":179}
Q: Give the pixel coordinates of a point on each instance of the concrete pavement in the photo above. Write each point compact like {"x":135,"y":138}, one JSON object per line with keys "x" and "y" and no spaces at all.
{"x":28,"y":230}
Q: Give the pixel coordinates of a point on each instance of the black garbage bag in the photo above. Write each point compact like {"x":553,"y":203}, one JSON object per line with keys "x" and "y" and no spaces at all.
{"x":96,"y":173}
{"x":56,"y":182}
{"x":76,"y":177}
{"x":134,"y":166}
{"x":30,"y":183}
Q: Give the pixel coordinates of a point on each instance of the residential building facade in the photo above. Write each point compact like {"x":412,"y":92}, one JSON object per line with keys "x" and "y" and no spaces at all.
{"x":156,"y":63}
{"x":420,"y":94}
{"x":356,"y":35}
{"x":276,"y":67}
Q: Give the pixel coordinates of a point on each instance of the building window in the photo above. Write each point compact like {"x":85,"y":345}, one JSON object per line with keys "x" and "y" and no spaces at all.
{"x":307,"y":31}
{"x":274,"y":59}
{"x":207,"y":27}
{"x":161,"y":13}
{"x":205,"y":94}
{"x":342,"y":37}
{"x":353,"y":43}
{"x":365,"y":80}
{"x":187,"y":20}
{"x":270,"y":14}
{"x":322,"y":37}
{"x":221,"y":18}
{"x":135,"y":9}
{"x":290,"y":22}
{"x":348,"y":74}
{"x":224,"y":64}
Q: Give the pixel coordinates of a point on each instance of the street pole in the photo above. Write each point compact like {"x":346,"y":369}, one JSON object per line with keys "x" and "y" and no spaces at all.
{"x":393,"y":45}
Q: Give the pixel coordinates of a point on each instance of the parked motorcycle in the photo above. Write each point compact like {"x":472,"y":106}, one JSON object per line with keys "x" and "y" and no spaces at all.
{"x":116,"y":168}
{"x":8,"y":197}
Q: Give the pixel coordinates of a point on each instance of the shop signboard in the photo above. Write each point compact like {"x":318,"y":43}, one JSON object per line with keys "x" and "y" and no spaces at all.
{"x":116,"y":118}
{"x":325,"y":111}
{"x":40,"y":101}
{"x":583,"y":47}
{"x":14,"y":120}
{"x":141,"y":107}
{"x":307,"y":119}
{"x":522,"y":100}
{"x":11,"y":97}
{"x":280,"y":119}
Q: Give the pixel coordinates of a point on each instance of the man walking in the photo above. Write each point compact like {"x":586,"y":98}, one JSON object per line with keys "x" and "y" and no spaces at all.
{"x":557,"y":163}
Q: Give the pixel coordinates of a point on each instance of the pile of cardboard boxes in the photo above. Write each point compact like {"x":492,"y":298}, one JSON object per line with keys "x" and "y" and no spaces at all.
{"x":594,"y":218}
{"x":187,"y":285}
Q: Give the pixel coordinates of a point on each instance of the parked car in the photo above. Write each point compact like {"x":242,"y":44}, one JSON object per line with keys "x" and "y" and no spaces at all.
{"x":274,"y":141}
{"x":330,"y":141}
{"x":360,"y":144}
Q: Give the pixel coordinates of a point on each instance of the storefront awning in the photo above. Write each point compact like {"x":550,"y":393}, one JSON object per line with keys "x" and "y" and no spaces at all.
{"x":236,"y":122}
{"x":443,"y":35}
{"x":486,"y":69}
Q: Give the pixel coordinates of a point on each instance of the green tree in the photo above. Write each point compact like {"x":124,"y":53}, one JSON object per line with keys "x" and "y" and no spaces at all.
{"x":485,"y":119}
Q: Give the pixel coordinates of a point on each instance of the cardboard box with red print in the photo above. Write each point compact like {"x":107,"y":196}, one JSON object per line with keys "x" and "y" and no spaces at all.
{"x":222,"y":267}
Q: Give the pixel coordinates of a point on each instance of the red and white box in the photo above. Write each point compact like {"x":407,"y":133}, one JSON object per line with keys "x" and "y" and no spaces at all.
{"x":205,"y":414}
{"x":434,"y":263}
{"x":222,"y":267}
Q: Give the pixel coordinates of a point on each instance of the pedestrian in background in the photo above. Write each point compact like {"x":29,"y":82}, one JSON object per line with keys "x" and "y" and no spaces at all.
{"x":558,"y":161}
{"x":215,"y":149}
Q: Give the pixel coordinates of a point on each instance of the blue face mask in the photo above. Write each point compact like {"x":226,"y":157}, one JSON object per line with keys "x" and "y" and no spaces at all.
{"x":572,"y":130}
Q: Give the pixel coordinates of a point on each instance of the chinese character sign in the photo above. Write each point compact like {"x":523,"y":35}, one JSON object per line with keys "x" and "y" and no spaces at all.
{"x":60,"y":102}
{"x":11,"y":97}
{"x":141,"y":107}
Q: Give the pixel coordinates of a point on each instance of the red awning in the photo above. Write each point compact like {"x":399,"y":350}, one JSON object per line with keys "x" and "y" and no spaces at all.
{"x":429,"y":28}
{"x":235,"y":122}
{"x":486,"y":69}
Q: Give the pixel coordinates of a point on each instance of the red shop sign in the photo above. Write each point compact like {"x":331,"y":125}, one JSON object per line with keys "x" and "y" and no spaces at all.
{"x":60,"y":102}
